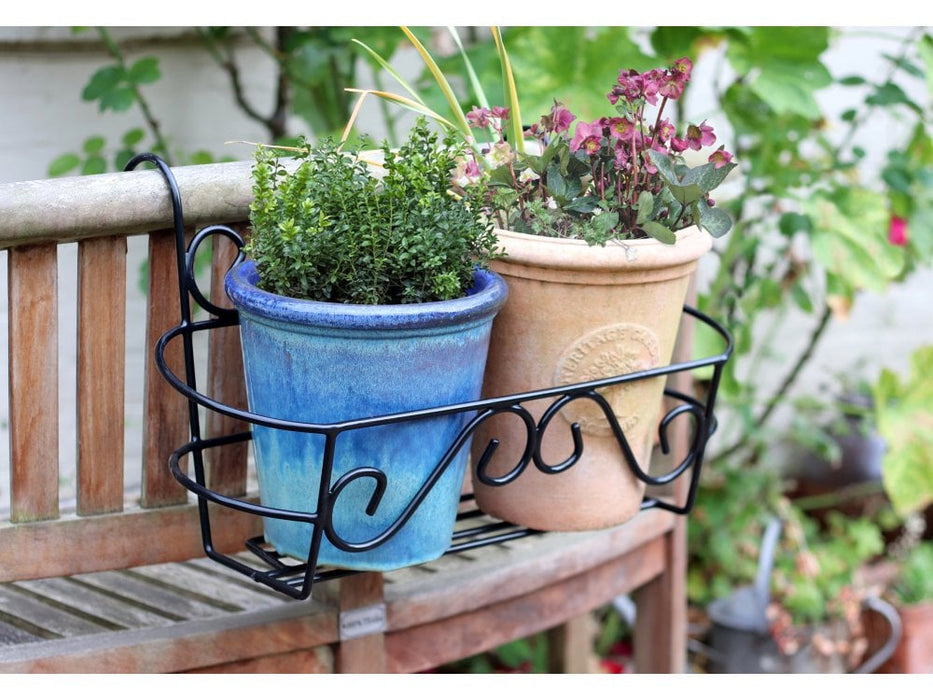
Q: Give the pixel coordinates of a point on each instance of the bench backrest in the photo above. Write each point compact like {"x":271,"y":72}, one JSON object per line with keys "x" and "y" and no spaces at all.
{"x":108,"y":527}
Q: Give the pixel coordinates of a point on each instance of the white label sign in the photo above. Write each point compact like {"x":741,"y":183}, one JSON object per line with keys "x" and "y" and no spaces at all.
{"x":362,"y":621}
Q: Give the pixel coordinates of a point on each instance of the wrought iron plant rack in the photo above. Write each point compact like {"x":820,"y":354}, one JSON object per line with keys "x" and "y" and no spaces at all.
{"x":474,"y":529}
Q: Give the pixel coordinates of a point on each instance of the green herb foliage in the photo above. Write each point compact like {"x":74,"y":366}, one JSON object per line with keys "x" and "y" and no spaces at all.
{"x":332,"y":230}
{"x":915,"y":582}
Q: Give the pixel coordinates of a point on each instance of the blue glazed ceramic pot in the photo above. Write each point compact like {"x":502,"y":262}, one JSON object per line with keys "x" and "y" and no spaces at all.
{"x":325,"y":363}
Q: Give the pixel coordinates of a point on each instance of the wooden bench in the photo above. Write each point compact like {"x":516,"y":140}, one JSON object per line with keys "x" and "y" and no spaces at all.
{"x":118,"y":581}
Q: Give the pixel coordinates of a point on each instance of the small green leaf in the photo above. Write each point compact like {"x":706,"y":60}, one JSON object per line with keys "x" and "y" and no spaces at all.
{"x":583,"y":205}
{"x":665,"y":167}
{"x":143,"y":71}
{"x":660,"y":232}
{"x":556,"y":184}
{"x":95,"y":165}
{"x":891,"y":94}
{"x":122,"y":158}
{"x":132,"y":137}
{"x":791,"y":223}
{"x":801,"y":298}
{"x":716,"y":221}
{"x":119,"y":100}
{"x":645,"y":207}
{"x":93,"y":145}
{"x":102,"y":82}
{"x":63,"y":164}
{"x":686,"y":195}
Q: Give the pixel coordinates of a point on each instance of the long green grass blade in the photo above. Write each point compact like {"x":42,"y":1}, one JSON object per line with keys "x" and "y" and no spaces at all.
{"x":471,"y":73}
{"x":456,"y":109}
{"x":413,"y":105}
{"x":391,"y":71}
{"x":515,"y":131}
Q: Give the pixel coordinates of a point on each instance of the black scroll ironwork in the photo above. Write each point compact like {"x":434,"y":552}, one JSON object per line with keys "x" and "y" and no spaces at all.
{"x":474,"y":530}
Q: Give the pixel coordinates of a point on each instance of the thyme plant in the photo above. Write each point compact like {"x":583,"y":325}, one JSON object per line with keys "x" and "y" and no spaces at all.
{"x":333,"y":230}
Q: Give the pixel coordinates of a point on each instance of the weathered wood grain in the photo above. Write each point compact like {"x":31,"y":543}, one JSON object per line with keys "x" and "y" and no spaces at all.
{"x":165,"y":411}
{"x":101,"y":362}
{"x":33,"y":378}
{"x":74,"y":545}
{"x":482,"y":627}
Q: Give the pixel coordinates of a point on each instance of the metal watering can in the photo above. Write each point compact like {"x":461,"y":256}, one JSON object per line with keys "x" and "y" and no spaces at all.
{"x":739,"y":639}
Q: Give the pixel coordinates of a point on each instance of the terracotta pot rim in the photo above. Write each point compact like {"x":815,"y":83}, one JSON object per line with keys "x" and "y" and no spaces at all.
{"x":573,"y":254}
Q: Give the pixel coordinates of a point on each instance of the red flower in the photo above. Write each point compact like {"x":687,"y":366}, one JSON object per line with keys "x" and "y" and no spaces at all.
{"x":897,"y":233}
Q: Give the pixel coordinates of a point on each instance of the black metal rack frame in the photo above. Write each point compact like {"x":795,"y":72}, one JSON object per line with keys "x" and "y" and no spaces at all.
{"x":474,"y":530}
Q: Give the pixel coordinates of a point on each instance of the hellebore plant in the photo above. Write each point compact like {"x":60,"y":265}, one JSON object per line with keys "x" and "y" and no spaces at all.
{"x":618,"y":177}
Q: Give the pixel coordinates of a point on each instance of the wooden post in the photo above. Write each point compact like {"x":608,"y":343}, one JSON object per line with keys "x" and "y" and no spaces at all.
{"x":100,"y":374}
{"x":361,"y":603}
{"x":166,"y":414}
{"x":570,"y":646}
{"x":33,"y":329}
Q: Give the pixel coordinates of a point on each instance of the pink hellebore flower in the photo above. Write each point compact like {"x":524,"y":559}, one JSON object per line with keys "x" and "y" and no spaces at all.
{"x":500,"y":112}
{"x":683,"y":66}
{"x":897,"y":233}
{"x":652,"y":83}
{"x":478,"y":118}
{"x":720,"y":157}
{"x":699,"y":136}
{"x":672,"y":86}
{"x":561,"y":118}
{"x":621,"y":128}
{"x":587,"y":137}
{"x":666,"y":131}
{"x":466,"y":173}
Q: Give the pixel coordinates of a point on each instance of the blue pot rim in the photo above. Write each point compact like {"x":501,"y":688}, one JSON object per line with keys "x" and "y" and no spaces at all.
{"x":481,"y":303}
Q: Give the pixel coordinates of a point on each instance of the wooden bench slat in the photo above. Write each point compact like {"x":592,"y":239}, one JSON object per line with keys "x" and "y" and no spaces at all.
{"x":10,"y":635}
{"x":55,"y":621}
{"x":70,"y":592}
{"x":240,"y":593}
{"x":115,"y":541}
{"x":101,"y":362}
{"x":166,"y":601}
{"x":192,"y":644}
{"x":165,"y":412}
{"x":33,"y":334}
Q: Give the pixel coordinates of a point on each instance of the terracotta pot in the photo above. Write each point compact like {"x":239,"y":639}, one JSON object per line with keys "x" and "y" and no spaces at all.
{"x":914,"y":654}
{"x":576,"y":313}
